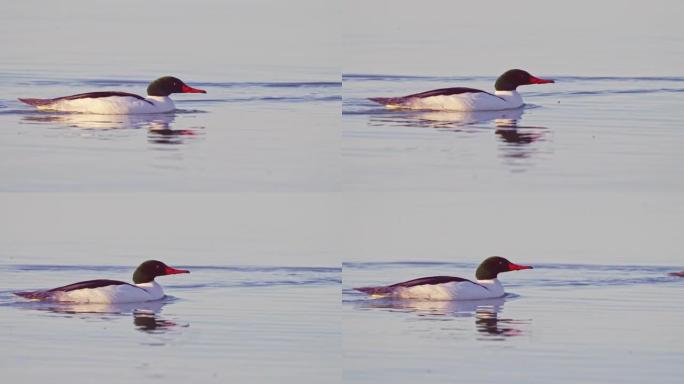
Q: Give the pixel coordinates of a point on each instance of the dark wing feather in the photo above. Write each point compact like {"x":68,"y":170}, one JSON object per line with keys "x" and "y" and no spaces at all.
{"x":89,"y":95}
{"x":434,"y":92}
{"x":36,"y":102}
{"x":446,"y":92}
{"x":432,"y":280}
{"x":90,"y":284}
{"x":384,"y":290}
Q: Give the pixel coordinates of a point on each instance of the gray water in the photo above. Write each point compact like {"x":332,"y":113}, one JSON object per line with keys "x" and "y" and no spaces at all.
{"x":240,"y":136}
{"x":582,"y":133}
{"x":234,"y":185}
{"x":561,"y":323}
{"x":283,"y":188}
{"x":584,"y":183}
{"x":217,"y":324}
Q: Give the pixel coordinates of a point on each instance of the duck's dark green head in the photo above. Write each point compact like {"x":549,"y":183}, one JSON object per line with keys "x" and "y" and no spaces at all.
{"x":167,"y":85}
{"x":494,"y":265}
{"x":150,"y":269}
{"x":514,"y":78}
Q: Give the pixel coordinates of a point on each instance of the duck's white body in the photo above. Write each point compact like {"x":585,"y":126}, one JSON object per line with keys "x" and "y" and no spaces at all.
{"x":113,"y":294}
{"x":468,"y":99}
{"x":118,"y":103}
{"x":455,"y":290}
{"x":99,"y":291}
{"x":475,"y":101}
{"x":104,"y":291}
{"x":439,"y":288}
{"x":112,"y":105}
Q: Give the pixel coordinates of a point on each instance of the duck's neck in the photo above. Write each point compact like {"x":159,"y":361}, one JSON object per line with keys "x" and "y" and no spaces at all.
{"x":160,"y":99}
{"x":162,"y":103}
{"x":493,"y":285}
{"x":512,"y":98}
{"x":152,"y":288}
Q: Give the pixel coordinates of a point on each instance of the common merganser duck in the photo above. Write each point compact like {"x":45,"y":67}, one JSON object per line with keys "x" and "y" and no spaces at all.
{"x":118,"y":103}
{"x":505,"y":96}
{"x":487,"y":285}
{"x":111,"y":291}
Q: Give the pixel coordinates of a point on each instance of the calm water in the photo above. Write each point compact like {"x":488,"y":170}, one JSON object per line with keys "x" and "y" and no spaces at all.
{"x":582,"y":133}
{"x":240,"y":136}
{"x":589,"y":171}
{"x":262,"y":189}
{"x":224,"y":323}
{"x":584,"y":183}
{"x":561,"y":323}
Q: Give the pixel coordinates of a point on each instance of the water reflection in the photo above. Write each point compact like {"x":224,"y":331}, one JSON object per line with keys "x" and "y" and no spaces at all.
{"x":159,"y":126}
{"x":104,"y":122}
{"x":151,"y":322}
{"x":451,"y":120}
{"x":488,"y":322}
{"x":518,"y":136}
{"x":146,"y":315}
{"x":515,"y":141}
{"x":492,"y":327}
{"x":169,"y":136}
{"x":507,"y":124}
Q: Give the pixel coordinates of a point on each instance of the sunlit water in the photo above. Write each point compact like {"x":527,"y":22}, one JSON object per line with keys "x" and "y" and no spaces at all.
{"x":600,"y":133}
{"x":584,"y":183}
{"x":588,"y":173}
{"x":561,"y":323}
{"x":240,"y":136}
{"x":217,"y":324}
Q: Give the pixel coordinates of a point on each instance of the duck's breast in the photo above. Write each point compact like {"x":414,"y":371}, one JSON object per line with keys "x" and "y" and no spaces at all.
{"x":464,"y":290}
{"x":123,"y":293}
{"x":110,"y":105}
{"x":475,"y":101}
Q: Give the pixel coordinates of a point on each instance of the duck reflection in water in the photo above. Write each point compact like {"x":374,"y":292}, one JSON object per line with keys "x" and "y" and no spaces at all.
{"x":105,"y":122}
{"x":159,"y":125}
{"x":150,"y":322}
{"x":146,"y":316}
{"x":451,"y":120}
{"x":507,"y":124}
{"x":486,"y":313}
{"x":515,"y":138}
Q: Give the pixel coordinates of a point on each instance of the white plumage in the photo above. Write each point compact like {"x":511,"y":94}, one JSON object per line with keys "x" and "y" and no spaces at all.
{"x":476,"y":101}
{"x":112,"y":105}
{"x":113,"y":294}
{"x":463,"y":290}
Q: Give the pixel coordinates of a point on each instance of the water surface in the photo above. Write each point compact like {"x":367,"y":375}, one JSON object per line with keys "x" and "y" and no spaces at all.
{"x":240,"y":136}
{"x":584,"y":183}
{"x":582,"y":133}
{"x":563,"y":323}
{"x":224,"y":323}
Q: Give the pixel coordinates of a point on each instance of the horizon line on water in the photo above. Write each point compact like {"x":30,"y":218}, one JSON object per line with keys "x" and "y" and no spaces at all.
{"x":629,"y":266}
{"x":238,"y":267}
{"x":371,"y":76}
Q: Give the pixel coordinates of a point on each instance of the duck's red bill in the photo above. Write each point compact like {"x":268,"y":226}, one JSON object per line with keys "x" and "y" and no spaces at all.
{"x":517,"y":267}
{"x":186,"y":89}
{"x":536,"y":80}
{"x":174,"y":271}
